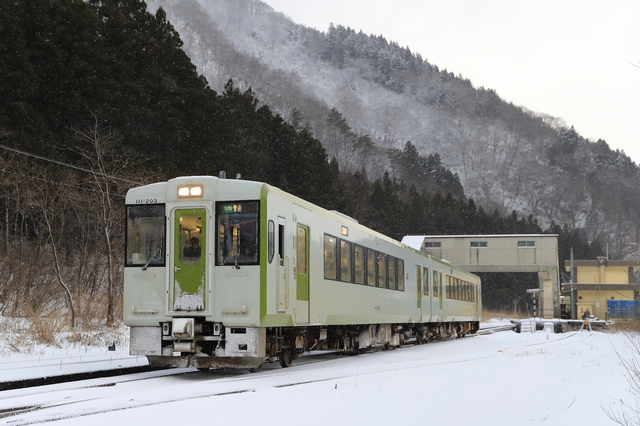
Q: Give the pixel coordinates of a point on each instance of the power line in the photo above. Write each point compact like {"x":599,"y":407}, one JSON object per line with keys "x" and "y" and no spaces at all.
{"x":67,"y":165}
{"x":57,"y":183}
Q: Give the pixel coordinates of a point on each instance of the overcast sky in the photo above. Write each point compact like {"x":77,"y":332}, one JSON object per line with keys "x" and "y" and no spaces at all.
{"x":572,"y":59}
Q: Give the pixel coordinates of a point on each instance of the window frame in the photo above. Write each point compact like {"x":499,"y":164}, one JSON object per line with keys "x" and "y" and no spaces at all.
{"x":526,"y":244}
{"x":162,"y":258}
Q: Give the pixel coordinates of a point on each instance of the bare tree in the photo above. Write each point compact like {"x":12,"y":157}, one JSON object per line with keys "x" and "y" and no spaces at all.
{"x":46,"y":197}
{"x":105,"y":163}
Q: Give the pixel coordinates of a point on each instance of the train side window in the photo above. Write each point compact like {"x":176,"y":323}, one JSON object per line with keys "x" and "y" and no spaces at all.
{"x":454,"y":288}
{"x":447,"y":288}
{"x":345,"y":261}
{"x":436,"y":284}
{"x":425,"y":278}
{"x":371,"y":267}
{"x":330,"y":257}
{"x":382,"y":269}
{"x":392,"y":273}
{"x":400,"y":274}
{"x":281,"y":243}
{"x":301,"y":250}
{"x":272,"y":240}
{"x":359,"y":264}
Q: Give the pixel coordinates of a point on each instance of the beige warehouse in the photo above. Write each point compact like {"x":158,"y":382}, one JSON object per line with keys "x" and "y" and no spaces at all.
{"x":501,"y":253}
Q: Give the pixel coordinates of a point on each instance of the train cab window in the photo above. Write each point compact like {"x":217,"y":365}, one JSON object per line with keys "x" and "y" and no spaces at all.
{"x":145,"y":235}
{"x":371,"y":267}
{"x":345,"y":261}
{"x":238,"y":233}
{"x":359,"y":264}
{"x":330,"y":257}
{"x":400,"y":274}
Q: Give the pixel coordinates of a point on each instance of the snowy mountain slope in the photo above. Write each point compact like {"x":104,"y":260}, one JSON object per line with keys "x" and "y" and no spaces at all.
{"x":504,"y":155}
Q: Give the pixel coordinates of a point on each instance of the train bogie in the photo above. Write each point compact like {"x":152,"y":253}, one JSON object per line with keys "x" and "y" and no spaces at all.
{"x":230,"y":273}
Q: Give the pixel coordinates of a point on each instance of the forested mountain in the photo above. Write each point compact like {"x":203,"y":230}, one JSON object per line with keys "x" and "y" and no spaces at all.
{"x":98,"y":96}
{"x":505,"y":156}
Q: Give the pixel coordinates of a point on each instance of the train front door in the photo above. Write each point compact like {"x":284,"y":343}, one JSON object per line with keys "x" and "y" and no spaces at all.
{"x":189,"y":266}
{"x":302,"y":274}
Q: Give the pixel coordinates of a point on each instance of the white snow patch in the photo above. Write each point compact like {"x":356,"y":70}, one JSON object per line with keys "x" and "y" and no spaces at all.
{"x":188,"y":302}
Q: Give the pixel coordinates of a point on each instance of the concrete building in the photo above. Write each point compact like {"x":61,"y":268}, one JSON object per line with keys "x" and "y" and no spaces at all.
{"x":537,"y":253}
{"x":607,"y":288}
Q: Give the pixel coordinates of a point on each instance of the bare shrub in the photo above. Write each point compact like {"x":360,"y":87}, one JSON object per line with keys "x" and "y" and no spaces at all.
{"x":628,"y":326}
{"x":45,"y":327}
{"x":628,"y":414}
{"x":501,"y":314}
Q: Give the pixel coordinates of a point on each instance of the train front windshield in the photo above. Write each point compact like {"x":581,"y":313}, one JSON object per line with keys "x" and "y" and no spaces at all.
{"x":145,"y":235}
{"x":237,"y":233}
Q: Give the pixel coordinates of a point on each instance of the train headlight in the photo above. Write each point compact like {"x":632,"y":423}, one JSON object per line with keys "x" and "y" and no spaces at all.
{"x":190,"y":191}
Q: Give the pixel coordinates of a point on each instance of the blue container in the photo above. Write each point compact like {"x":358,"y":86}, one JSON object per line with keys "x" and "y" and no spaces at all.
{"x":622,"y":308}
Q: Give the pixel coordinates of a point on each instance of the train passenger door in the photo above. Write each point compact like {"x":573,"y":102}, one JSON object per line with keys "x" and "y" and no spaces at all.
{"x":419,"y":285}
{"x":283,"y":268}
{"x":425,"y":295}
{"x":302,"y":274}
{"x":189,"y":266}
{"x":436,"y":297}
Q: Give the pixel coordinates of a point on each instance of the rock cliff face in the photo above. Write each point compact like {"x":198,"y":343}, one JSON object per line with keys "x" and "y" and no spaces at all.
{"x":506,"y":157}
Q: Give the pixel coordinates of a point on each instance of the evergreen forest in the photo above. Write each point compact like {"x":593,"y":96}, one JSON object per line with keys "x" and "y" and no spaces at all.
{"x":98,"y":96}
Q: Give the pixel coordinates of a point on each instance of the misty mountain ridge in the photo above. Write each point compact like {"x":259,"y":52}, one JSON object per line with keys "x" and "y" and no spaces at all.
{"x":365,"y":97}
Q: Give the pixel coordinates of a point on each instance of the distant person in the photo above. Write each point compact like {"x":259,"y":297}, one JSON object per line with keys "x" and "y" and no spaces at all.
{"x":586,"y":320}
{"x":193,"y":249}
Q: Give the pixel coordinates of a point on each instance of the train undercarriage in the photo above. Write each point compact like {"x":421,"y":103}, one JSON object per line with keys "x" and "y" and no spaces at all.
{"x":189,"y":342}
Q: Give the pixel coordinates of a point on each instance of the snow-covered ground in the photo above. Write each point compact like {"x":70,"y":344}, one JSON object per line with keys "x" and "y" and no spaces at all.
{"x":499,"y":379}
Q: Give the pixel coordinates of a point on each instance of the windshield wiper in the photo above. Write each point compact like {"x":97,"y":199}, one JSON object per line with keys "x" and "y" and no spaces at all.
{"x":158,"y":250}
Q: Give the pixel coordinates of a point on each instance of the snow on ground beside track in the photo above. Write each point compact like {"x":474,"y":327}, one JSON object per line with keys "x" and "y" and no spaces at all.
{"x":504,"y":378}
{"x":36,"y":360}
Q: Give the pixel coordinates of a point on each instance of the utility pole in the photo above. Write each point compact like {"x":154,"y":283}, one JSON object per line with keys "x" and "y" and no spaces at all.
{"x":573,"y":301}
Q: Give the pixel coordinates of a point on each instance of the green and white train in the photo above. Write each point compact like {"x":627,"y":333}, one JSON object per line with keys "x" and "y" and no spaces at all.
{"x":230,"y":273}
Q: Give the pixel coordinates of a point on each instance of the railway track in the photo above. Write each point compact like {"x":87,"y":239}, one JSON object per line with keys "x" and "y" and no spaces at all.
{"x":124,"y":392}
{"x":77,"y":377}
{"x":495,"y":329}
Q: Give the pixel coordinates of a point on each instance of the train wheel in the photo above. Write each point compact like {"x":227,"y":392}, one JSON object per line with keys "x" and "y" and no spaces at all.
{"x":286,"y":358}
